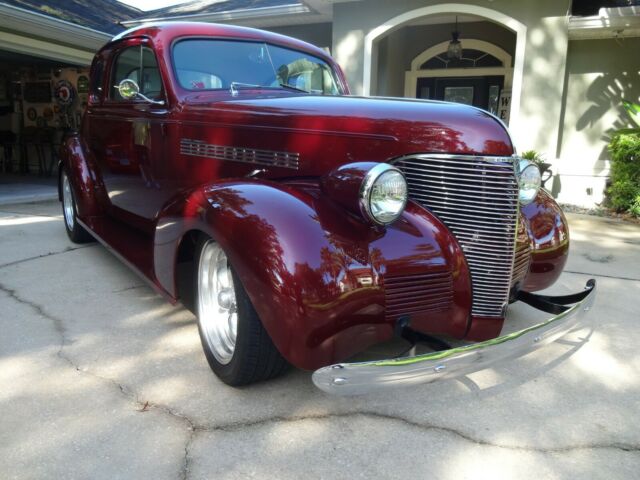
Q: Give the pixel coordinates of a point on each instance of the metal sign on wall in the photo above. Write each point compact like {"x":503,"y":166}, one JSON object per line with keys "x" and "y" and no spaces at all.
{"x":504,"y":106}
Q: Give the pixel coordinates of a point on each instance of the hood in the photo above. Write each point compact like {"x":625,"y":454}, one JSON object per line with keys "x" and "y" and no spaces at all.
{"x":326,"y":131}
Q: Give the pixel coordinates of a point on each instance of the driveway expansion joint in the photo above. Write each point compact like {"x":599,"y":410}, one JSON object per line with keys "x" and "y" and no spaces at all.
{"x":231,"y":427}
{"x":45,"y":255}
{"x":630,"y":279}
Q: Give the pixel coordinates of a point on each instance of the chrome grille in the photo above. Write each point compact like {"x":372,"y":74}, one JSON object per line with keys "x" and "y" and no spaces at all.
{"x":418,"y":294}
{"x":477,"y":198}
{"x":522,"y":257}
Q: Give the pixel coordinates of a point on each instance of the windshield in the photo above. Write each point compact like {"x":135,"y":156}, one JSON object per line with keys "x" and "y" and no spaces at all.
{"x":202,"y":64}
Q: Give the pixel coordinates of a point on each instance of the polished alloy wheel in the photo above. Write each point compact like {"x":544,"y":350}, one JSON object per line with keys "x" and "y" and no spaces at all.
{"x":67,"y":201}
{"x":217,"y":307}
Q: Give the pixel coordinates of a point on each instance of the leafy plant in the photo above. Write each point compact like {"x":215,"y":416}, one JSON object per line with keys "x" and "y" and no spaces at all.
{"x":633,"y":109}
{"x":533,"y":156}
{"x":635,"y":207}
{"x":624,"y":192}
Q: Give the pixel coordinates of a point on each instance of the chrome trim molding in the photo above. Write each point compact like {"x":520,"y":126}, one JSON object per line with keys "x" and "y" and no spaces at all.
{"x":476,"y":197}
{"x":198,"y":148}
{"x":365,"y":377}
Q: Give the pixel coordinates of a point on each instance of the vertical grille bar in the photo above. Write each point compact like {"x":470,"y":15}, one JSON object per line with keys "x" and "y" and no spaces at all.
{"x":477,"y":198}
{"x":522,"y":258}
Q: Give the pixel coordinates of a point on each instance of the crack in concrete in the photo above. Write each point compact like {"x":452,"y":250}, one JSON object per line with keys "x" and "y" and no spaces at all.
{"x":194,"y":428}
{"x":236,"y":426}
{"x":44,"y":255}
{"x":124,"y":390}
{"x":23,"y":214}
{"x":132,"y":287}
{"x":603,"y":275}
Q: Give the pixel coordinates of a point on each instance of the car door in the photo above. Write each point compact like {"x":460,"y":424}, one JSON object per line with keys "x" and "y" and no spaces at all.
{"x":130,"y":141}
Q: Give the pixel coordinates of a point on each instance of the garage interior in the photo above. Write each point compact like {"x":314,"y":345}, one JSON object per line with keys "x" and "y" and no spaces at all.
{"x":40,"y":100}
{"x":44,"y":84}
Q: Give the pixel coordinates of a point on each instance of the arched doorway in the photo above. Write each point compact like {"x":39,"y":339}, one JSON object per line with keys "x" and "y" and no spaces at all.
{"x":374,"y":36}
{"x":478,"y":78}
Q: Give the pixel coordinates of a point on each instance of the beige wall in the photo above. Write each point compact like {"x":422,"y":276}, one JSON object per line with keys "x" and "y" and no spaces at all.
{"x":318,"y":34}
{"x":599,"y":74}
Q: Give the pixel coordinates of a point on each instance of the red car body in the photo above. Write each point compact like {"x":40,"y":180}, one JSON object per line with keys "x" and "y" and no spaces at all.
{"x":146,"y":177}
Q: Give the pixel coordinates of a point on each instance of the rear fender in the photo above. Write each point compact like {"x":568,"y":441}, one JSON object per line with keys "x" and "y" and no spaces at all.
{"x":84,"y":177}
{"x":314,"y":272}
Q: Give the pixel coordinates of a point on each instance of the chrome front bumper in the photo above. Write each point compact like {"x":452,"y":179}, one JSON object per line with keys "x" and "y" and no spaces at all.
{"x":365,"y":377}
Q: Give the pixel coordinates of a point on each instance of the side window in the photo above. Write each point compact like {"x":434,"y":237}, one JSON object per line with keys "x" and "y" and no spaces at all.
{"x":138,"y":64}
{"x":96,"y":79}
{"x":150,"y":81}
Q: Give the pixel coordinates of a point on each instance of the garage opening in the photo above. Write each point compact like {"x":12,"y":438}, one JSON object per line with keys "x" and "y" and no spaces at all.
{"x":40,"y":101}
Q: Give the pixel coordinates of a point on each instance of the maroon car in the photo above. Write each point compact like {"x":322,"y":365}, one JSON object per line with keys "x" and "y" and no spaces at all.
{"x":232,"y":169}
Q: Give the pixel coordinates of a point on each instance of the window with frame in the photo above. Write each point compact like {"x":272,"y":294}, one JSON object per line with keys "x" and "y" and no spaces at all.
{"x":209,"y":64}
{"x":96,"y":79}
{"x":140,"y":65}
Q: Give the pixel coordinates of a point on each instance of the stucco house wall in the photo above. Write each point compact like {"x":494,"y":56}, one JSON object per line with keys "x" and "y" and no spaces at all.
{"x":318,"y":34}
{"x":599,"y":74}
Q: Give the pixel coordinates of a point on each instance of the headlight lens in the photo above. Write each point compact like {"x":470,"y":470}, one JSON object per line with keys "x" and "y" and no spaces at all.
{"x":529,"y":180}
{"x":384,"y":194}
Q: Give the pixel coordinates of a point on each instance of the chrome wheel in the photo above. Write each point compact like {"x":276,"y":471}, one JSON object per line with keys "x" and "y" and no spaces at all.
{"x":67,"y":202}
{"x":217,"y":310}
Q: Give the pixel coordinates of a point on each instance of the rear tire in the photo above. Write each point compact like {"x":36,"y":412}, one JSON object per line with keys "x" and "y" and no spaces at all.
{"x":236,"y":345}
{"x":75,"y":231}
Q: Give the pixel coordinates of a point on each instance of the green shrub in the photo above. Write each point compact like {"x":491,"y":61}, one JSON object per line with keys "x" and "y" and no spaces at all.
{"x":635,"y":207}
{"x":624,"y":192}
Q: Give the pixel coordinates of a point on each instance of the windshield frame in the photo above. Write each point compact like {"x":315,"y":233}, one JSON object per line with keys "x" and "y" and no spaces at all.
{"x":335,"y":71}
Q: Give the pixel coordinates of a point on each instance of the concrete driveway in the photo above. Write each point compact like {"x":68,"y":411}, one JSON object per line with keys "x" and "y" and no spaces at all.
{"x":101,"y":378}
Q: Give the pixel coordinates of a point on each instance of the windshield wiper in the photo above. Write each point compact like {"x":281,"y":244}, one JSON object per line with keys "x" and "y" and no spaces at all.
{"x":233,"y":87}
{"x":295,"y":89}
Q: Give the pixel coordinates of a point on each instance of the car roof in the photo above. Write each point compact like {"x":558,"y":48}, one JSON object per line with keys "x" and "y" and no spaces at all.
{"x":167,"y":32}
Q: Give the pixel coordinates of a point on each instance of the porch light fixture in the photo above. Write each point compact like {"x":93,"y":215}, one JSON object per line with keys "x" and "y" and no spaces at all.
{"x":454,"y":50}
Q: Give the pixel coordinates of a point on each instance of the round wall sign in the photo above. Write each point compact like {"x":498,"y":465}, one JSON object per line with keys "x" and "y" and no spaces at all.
{"x":65,"y":93}
{"x":32,"y":114}
{"x":83,"y":84}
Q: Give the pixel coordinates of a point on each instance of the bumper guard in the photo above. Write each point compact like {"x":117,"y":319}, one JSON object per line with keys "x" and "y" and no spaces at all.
{"x":365,"y":377}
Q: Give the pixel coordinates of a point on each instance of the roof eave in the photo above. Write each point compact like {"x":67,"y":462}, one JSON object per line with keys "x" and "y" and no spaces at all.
{"x":229,"y":16}
{"x":20,"y":19}
{"x":609,"y":23}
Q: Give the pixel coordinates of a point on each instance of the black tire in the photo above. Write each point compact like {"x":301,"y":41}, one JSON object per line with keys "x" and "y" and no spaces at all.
{"x":255,"y":358}
{"x":75,"y":231}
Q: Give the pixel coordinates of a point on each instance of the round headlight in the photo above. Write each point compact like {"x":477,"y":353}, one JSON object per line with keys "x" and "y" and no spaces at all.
{"x":383,"y":195}
{"x":529,"y":180}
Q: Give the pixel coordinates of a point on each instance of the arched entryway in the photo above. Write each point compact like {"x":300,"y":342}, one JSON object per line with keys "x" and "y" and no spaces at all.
{"x":479,"y":77}
{"x":373,"y":38}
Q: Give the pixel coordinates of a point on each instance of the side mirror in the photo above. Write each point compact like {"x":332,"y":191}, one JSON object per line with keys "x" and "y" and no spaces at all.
{"x":128,"y":89}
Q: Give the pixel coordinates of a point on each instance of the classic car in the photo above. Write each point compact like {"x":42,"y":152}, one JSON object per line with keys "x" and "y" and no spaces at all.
{"x":232,"y":169}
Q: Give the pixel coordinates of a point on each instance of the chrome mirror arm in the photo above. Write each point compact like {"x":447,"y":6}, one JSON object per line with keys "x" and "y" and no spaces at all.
{"x":147,"y":99}
{"x":129,"y":90}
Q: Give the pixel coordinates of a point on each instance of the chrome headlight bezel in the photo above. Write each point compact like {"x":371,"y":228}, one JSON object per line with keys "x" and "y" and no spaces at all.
{"x":371,"y":179}
{"x":529,"y":181}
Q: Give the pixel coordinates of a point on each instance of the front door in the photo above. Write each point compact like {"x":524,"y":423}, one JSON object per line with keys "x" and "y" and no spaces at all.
{"x":481,"y":92}
{"x":131,"y":137}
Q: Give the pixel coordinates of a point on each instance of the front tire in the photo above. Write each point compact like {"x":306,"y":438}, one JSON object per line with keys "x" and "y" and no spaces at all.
{"x":75,"y":231}
{"x":238,"y":348}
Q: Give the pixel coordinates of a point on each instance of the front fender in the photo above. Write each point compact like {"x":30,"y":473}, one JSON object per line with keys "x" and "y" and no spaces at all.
{"x":548,"y":232}
{"x":314,"y":272}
